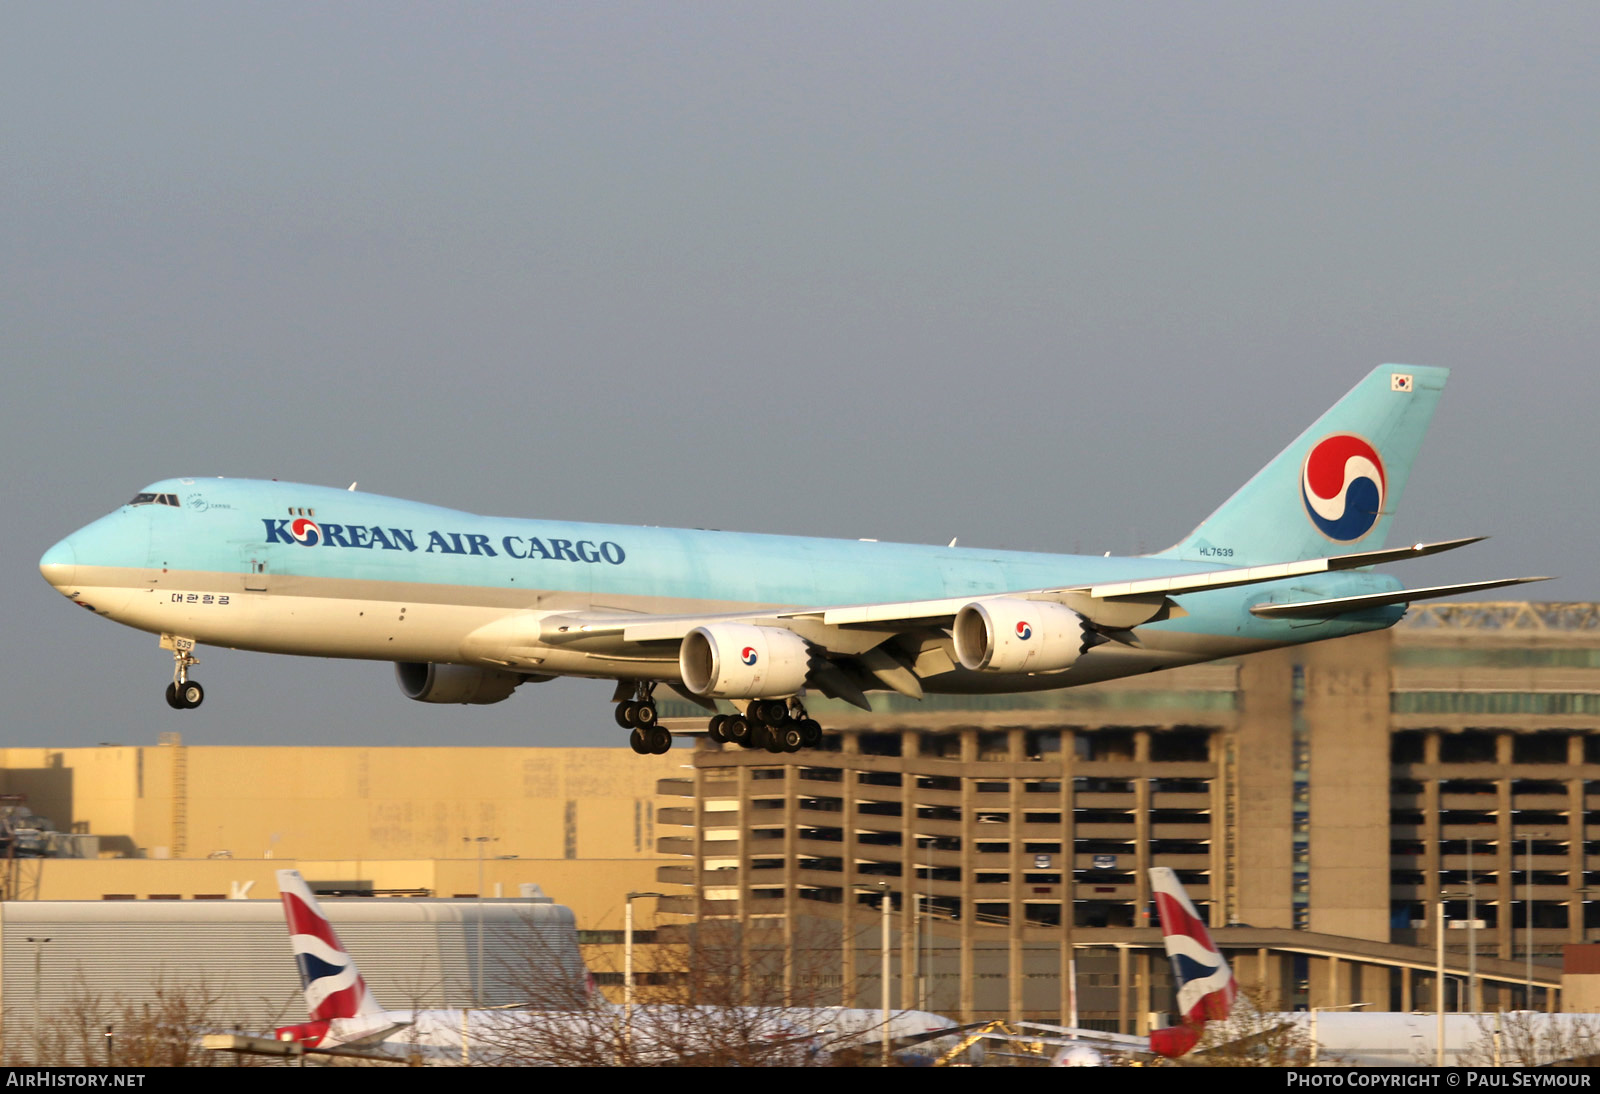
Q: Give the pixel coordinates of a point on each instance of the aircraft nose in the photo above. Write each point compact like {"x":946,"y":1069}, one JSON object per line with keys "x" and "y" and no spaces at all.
{"x":60,"y":565}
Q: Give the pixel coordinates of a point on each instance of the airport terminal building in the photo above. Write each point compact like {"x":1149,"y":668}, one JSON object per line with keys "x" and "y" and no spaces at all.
{"x":1321,"y":804}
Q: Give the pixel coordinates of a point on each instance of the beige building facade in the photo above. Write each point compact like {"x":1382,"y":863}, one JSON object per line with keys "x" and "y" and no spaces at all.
{"x":1318,"y":802}
{"x":179,"y":822}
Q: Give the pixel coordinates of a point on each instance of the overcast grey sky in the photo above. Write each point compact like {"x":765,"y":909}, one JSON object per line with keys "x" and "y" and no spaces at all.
{"x":1050,"y":276}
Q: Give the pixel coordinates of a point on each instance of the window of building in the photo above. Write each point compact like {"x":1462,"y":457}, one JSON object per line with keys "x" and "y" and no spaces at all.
{"x":1406,"y":746}
{"x":1539,"y":748}
{"x":1473,"y":746}
{"x":1180,"y":745}
{"x":878,"y":744}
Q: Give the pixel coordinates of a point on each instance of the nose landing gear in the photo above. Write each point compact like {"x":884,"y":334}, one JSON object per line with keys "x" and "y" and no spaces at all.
{"x":185,"y":696}
{"x":183,"y":693}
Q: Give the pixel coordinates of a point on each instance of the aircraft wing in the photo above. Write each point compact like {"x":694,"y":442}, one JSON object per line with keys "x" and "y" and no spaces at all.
{"x":898,"y":644}
{"x":1115,"y":605}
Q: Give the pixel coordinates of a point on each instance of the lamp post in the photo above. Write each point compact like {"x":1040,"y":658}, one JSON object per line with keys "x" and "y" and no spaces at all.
{"x":627,"y":966}
{"x":1438,"y":984}
{"x":1527,"y":847}
{"x":882,"y":887}
{"x":477,"y":991}
{"x":922,"y":937}
{"x":38,"y":969}
{"x":926,"y":970}
{"x":1527,"y":858}
{"x":1474,"y":1001}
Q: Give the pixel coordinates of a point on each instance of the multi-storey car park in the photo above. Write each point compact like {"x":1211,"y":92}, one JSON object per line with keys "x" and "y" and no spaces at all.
{"x":1319,"y":802}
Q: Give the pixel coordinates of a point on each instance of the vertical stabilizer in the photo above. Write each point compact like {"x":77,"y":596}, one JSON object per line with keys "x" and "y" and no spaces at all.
{"x":1335,"y":489}
{"x":333,"y":985}
{"x":1206,"y":987}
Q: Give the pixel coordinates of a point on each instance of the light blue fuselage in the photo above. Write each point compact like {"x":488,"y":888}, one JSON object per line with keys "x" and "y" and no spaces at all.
{"x":387,"y":579}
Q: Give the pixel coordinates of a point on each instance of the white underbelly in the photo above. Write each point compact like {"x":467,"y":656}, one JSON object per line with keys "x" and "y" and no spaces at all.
{"x":314,"y":626}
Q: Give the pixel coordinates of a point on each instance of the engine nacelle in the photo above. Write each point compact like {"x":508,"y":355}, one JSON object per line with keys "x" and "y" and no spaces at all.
{"x":1004,"y":635}
{"x":430,"y":683}
{"x":741,"y":661}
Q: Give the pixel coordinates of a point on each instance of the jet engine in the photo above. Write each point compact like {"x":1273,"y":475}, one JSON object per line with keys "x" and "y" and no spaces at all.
{"x":1004,"y":635}
{"x":429,"y":683}
{"x":741,"y":661}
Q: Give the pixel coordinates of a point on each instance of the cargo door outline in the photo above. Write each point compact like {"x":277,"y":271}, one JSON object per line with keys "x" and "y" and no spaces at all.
{"x":258,"y":562}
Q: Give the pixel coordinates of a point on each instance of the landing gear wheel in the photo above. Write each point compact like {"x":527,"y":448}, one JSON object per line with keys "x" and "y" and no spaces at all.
{"x":644,"y":714}
{"x":790,"y":737}
{"x":737,"y":730}
{"x":715,"y":731}
{"x":659,"y":739}
{"x":627,"y":715}
{"x":810,"y":732}
{"x":638,"y":742}
{"x":183,"y":693}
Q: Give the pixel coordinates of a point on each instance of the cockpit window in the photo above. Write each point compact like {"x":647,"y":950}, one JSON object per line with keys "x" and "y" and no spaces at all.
{"x":155,"y":499}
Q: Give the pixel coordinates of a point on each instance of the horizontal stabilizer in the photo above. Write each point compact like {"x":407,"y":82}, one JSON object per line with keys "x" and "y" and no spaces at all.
{"x":267,"y":1046}
{"x":1344,"y":605}
{"x":1250,"y":575}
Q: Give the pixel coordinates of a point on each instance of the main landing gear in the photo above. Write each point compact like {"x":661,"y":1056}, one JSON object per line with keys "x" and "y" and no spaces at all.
{"x":647,"y":736}
{"x":184,"y":693}
{"x":777,"y":725}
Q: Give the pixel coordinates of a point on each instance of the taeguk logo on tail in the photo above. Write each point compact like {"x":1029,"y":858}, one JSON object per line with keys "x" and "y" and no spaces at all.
{"x":305,"y":531}
{"x":1343,"y":486}
{"x":749,"y":655}
{"x":1024,"y":631}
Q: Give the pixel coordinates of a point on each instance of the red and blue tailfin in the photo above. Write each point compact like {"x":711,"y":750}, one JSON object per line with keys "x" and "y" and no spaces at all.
{"x":1206,"y":987}
{"x":337,"y":998}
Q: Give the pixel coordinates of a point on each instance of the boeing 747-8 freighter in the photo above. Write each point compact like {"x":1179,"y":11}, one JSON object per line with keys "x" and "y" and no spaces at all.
{"x":468,"y":607}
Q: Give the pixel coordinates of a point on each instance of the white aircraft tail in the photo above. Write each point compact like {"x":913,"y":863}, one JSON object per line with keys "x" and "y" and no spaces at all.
{"x":1206,"y":987}
{"x":341,"y":1007}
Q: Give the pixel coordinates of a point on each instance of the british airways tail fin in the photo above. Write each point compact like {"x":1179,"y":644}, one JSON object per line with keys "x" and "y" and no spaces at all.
{"x":341,"y":1007}
{"x":1206,"y":987}
{"x":1336,"y":487}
